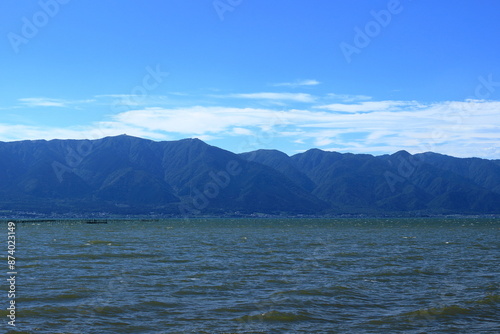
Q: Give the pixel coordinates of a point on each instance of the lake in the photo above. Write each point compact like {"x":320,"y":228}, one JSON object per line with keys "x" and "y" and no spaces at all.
{"x":258,"y":276}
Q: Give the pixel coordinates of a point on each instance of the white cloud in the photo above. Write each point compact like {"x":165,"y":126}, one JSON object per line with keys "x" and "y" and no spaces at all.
{"x":459,"y":128}
{"x":243,"y":131}
{"x":296,"y":97}
{"x":369,"y":106}
{"x":423,"y":128}
{"x":298,"y":83}
{"x":323,"y":141}
{"x":196,"y":120}
{"x":349,"y":98}
{"x":42,"y":102}
{"x":49,"y":102}
{"x":9,"y":132}
{"x":133,"y":100}
{"x":118,"y":96}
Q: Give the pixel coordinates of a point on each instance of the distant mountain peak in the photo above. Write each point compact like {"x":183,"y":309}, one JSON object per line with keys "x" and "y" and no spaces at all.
{"x":192,"y":140}
{"x":125,"y":136}
{"x":272,"y":152}
{"x":403,"y":153}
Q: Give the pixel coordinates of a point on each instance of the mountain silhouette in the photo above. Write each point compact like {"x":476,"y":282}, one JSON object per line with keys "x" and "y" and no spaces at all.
{"x":129,"y":175}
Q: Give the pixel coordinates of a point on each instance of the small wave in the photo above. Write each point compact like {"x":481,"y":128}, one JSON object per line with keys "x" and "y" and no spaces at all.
{"x":16,"y":331}
{"x":101,"y":242}
{"x":488,"y":300}
{"x":191,"y":291}
{"x":177,"y":261}
{"x":100,"y":256}
{"x":277,"y":281}
{"x":227,"y":287}
{"x":274,"y":316}
{"x":425,"y":272}
{"x":109,"y":310}
{"x":205,"y":243}
{"x":155,"y":303}
{"x":34,"y":265}
{"x":42,"y":311}
{"x":482,"y":247}
{"x":334,"y":291}
{"x":66,"y":296}
{"x":389,"y":274}
{"x":437,"y":312}
{"x":346,"y":254}
{"x":227,"y":310}
{"x":55,"y":298}
{"x":316,"y":244}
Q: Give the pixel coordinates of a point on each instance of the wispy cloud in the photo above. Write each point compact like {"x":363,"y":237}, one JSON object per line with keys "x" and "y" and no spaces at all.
{"x":243,"y":131}
{"x":42,"y":102}
{"x":297,"y":83}
{"x":117,"y":96}
{"x":50,"y":102}
{"x":197,"y":120}
{"x":133,"y":100}
{"x":296,"y":97}
{"x":348,"y":97}
{"x":369,"y":106}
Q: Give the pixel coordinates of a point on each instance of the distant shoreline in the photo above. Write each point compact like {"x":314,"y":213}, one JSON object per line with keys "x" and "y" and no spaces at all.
{"x":199,"y":218}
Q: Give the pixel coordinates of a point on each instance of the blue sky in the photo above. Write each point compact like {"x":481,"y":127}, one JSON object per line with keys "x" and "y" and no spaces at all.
{"x":349,"y":76}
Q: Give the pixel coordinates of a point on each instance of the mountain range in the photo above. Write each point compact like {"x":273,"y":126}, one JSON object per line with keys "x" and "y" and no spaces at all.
{"x":128,"y":175}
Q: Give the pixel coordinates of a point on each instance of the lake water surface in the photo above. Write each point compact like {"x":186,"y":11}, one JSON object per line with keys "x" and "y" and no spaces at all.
{"x":258,"y":276}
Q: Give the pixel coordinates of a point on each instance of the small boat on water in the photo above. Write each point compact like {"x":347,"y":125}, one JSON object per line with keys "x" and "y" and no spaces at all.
{"x":93,"y":221}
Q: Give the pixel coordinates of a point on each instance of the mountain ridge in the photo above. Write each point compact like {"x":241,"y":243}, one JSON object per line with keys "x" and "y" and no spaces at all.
{"x":188,"y":177}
